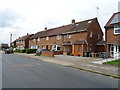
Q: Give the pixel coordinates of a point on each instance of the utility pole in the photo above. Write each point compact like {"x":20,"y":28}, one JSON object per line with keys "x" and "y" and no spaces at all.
{"x":10,"y":40}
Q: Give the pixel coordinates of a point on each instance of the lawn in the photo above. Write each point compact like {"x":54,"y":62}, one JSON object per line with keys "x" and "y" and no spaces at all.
{"x":116,"y":62}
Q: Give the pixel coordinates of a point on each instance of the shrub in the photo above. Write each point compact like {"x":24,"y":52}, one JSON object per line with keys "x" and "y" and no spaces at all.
{"x":71,"y":54}
{"x":17,"y":50}
{"x":30,"y":51}
{"x":23,"y":51}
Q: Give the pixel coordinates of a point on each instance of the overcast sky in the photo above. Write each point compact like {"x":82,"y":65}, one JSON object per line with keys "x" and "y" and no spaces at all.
{"x":19,"y":17}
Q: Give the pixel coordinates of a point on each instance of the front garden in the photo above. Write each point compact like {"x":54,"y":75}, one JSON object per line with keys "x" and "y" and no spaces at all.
{"x":114,"y":63}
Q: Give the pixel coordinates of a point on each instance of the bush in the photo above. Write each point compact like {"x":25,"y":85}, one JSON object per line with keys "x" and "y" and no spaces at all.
{"x":17,"y":50}
{"x":23,"y":51}
{"x":28,"y":51}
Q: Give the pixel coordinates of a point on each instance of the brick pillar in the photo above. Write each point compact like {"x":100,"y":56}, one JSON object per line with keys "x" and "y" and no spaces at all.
{"x":82,"y":50}
{"x":73,"y":49}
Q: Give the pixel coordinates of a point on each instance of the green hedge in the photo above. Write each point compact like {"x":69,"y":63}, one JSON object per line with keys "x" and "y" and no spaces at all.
{"x":30,"y":51}
{"x":17,"y":50}
{"x":23,"y":51}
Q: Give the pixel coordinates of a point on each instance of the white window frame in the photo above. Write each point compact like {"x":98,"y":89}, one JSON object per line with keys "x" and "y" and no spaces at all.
{"x":69,"y":36}
{"x":58,"y":37}
{"x":47,"y":38}
{"x":34,"y":40}
{"x":91,"y":34}
{"x":38,"y":39}
{"x":116,"y":28}
{"x":56,"y":47}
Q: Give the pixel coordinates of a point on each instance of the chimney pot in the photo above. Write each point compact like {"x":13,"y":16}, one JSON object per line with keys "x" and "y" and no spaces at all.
{"x":27,"y":33}
{"x":45,"y":28}
{"x":73,"y":21}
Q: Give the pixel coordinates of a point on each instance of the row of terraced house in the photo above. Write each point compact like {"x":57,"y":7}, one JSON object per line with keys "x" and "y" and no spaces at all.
{"x":76,"y":38}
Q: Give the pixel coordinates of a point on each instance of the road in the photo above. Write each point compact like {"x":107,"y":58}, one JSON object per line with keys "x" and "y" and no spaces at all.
{"x":23,"y":72}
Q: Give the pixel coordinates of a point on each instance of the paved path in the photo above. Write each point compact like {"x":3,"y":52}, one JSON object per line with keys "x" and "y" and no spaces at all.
{"x":23,"y":72}
{"x":78,"y":62}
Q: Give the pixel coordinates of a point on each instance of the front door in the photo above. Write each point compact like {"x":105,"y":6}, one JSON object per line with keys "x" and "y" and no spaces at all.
{"x":115,"y":51}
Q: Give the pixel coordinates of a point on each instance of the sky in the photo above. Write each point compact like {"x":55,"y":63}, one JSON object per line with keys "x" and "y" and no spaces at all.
{"x":19,"y":17}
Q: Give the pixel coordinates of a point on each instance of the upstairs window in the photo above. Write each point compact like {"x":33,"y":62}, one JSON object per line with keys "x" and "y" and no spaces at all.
{"x":58,"y":37}
{"x":117,"y":30}
{"x":69,"y":36}
{"x":34,"y":40}
{"x":91,"y":34}
{"x":38,"y":39}
{"x":98,"y":36}
{"x":47,"y":38}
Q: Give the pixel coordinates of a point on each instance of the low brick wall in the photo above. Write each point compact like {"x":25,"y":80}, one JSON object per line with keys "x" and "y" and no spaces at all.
{"x":58,"y":52}
{"x":48,"y":53}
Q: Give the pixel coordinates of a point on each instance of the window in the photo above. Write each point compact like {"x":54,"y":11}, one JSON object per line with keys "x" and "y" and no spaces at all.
{"x":58,"y":37}
{"x":34,"y":40}
{"x":117,"y":30}
{"x":47,"y":38}
{"x":91,"y":34}
{"x":90,"y":21}
{"x":69,"y":35}
{"x":38,"y":39}
{"x":57,"y":47}
{"x":98,"y":36}
{"x":42,"y":46}
{"x":118,"y":48}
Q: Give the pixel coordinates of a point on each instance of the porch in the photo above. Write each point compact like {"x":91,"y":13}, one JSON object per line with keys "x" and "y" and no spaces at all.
{"x":76,"y":48}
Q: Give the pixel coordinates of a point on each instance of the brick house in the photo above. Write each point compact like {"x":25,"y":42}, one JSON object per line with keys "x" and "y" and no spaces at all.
{"x":112,"y":35}
{"x":23,"y":42}
{"x":74,"y":38}
{"x":4,"y":46}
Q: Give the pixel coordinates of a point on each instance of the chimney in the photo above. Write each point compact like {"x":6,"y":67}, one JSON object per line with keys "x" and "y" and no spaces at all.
{"x":27,"y":33}
{"x":73,"y":21}
{"x":45,"y":28}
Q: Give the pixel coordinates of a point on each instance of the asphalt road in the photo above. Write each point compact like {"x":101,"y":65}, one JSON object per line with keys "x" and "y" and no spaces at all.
{"x":22,"y":72}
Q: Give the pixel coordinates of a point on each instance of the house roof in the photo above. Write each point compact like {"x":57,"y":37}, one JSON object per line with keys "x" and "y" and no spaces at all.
{"x":65,"y":29}
{"x":24,"y":37}
{"x":114,"y":20}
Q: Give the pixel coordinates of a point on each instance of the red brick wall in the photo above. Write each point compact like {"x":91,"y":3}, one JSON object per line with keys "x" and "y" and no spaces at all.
{"x":48,"y":53}
{"x":101,"y":48}
{"x":32,"y":43}
{"x":111,"y":37}
{"x":95,"y":29}
{"x":43,"y":42}
{"x":76,"y":36}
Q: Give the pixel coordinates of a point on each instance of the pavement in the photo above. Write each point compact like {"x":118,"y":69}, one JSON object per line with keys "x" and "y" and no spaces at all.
{"x":82,"y":63}
{"x":23,"y":72}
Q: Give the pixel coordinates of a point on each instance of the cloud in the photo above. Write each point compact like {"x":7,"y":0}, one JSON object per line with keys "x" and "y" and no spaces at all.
{"x":8,"y":17}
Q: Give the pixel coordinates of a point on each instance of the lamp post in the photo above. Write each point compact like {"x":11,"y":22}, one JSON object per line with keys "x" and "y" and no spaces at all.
{"x":10,"y":40}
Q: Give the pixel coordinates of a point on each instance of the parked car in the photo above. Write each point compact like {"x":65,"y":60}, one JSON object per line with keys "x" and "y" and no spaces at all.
{"x":8,"y":51}
{"x":39,"y":51}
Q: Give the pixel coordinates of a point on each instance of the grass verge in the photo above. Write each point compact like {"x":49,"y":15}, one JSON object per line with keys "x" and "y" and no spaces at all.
{"x":114,"y":63}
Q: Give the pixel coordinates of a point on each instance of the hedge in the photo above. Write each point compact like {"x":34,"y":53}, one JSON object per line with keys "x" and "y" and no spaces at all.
{"x":30,"y":51}
{"x":17,"y":50}
{"x":23,"y":51}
